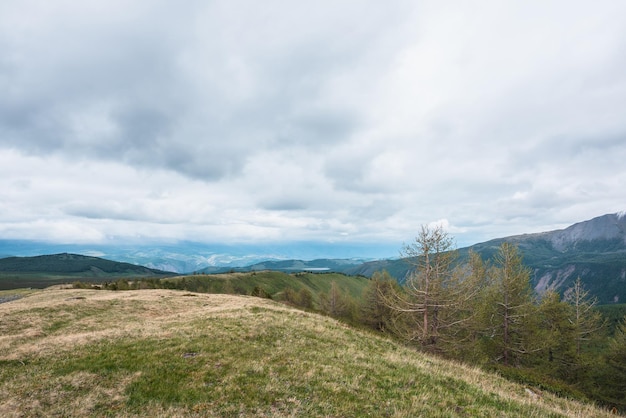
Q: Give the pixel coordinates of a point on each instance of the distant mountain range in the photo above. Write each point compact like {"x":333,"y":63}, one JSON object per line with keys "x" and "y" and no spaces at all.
{"x":594,"y":250}
{"x":188,"y":256}
{"x":320,"y":265}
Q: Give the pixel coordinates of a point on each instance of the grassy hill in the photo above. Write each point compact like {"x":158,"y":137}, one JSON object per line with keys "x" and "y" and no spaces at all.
{"x":173,"y":353}
{"x":272,"y":282}
{"x":45,"y":270}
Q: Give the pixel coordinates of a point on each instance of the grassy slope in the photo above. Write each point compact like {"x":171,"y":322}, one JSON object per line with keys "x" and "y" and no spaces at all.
{"x":274,"y":282}
{"x":169,"y":353}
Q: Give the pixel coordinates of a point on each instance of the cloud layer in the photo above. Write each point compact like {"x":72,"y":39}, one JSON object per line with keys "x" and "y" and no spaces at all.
{"x":355,"y":121}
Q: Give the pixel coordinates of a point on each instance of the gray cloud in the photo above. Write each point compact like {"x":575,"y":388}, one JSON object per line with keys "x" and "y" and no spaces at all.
{"x":358,"y":120}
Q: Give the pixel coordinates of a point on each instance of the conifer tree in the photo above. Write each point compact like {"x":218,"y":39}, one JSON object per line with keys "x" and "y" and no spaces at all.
{"x":585,"y":319}
{"x":510,"y":308}
{"x":305,"y":298}
{"x":467,"y":331}
{"x":430,"y":307}
{"x":334,"y":302}
{"x":375,"y":312}
{"x":557,"y":331}
{"x":615,"y":389}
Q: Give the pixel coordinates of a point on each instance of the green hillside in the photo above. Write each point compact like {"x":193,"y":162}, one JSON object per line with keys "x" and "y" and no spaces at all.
{"x":272,"y":282}
{"x":175,"y":353}
{"x":45,"y":270}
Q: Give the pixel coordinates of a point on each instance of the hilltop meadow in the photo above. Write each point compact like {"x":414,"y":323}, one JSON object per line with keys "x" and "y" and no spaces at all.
{"x":482,"y":313}
{"x":157,"y":352}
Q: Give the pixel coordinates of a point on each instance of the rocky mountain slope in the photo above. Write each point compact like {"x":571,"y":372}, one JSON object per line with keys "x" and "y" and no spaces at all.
{"x":594,"y":250}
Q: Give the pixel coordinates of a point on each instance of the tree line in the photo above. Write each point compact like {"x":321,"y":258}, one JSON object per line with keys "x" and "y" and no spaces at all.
{"x":487,"y":313}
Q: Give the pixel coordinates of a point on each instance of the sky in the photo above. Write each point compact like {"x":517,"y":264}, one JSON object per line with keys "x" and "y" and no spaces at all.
{"x":339,"y":123}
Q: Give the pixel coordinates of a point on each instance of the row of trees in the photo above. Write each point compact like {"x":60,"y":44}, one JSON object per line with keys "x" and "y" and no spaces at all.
{"x":488,"y":313}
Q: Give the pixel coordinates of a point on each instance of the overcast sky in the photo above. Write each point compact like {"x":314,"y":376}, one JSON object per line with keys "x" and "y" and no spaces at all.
{"x":322,"y":121}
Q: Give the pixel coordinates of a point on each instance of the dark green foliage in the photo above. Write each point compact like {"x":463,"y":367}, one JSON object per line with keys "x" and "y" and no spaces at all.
{"x":291,"y":296}
{"x":616,"y":368}
{"x":259,"y":292}
{"x":613,"y":315}
{"x":375,"y":310}
{"x":334,"y":302}
{"x":540,"y":380}
{"x":305,"y":298}
{"x":510,"y":311}
{"x":558,"y":356}
{"x":556,"y":258}
{"x":550,"y":343}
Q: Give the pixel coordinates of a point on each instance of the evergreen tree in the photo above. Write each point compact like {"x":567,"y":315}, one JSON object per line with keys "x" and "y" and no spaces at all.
{"x":432,"y":257}
{"x":305,"y":298}
{"x":585,"y":320}
{"x":510,"y":310}
{"x":614,"y":381}
{"x":464,"y":335}
{"x":290,"y":296}
{"x":431,"y":306}
{"x":557,"y":331}
{"x":259,"y":292}
{"x":334,"y":302}
{"x":375,"y":311}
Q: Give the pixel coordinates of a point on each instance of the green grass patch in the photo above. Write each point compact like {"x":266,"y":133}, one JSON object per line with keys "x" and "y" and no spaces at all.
{"x":215,"y":355}
{"x":272,"y":282}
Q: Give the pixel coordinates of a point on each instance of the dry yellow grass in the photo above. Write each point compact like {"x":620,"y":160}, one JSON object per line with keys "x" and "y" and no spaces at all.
{"x":296,"y":363}
{"x":24,"y":330}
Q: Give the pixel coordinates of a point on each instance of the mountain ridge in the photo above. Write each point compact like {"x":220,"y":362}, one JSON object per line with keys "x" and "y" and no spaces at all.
{"x":594,"y":250}
{"x":71,"y":263}
{"x":45,"y":270}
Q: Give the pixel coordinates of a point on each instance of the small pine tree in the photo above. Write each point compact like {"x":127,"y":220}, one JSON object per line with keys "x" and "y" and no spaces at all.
{"x":334,"y":302}
{"x":615,"y":391}
{"x":510,"y":309}
{"x":435,"y":302}
{"x":259,"y":292}
{"x":290,"y":296}
{"x":586,"y":321}
{"x":375,"y":310}
{"x":305,"y":298}
{"x":556,"y":330}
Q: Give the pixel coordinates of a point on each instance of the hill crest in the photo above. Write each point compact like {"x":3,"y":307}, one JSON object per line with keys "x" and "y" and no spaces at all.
{"x":66,"y":263}
{"x":169,"y":353}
